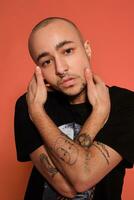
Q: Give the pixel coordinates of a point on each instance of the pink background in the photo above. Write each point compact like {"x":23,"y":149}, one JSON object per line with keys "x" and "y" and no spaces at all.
{"x":109,"y":26}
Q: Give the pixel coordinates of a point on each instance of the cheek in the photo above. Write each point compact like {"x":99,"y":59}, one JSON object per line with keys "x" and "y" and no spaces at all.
{"x":48,"y":75}
{"x":79,"y":62}
{"x":79,"y":66}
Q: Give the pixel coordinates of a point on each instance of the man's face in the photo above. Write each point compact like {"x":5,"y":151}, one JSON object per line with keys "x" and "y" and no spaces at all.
{"x":58,"y":50}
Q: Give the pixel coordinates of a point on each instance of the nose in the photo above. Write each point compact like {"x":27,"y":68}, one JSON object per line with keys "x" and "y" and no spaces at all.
{"x":61,"y":66}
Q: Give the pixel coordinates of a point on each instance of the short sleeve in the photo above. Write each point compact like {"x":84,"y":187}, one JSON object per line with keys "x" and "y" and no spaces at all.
{"x":118,"y":132}
{"x":27,"y":138}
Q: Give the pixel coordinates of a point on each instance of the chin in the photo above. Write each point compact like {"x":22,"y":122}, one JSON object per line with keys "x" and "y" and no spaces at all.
{"x":74,"y":92}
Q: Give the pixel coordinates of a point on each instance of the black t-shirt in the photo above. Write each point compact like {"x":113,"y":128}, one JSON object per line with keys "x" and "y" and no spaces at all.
{"x":118,"y":133}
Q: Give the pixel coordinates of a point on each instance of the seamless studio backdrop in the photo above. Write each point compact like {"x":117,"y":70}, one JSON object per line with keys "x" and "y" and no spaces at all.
{"x":108,"y":24}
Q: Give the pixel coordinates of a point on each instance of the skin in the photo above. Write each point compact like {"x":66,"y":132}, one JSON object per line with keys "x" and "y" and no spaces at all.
{"x":66,"y":68}
{"x":63,"y":67}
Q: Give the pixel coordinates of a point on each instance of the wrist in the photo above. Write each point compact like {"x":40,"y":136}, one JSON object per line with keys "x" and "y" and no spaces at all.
{"x":100,"y":116}
{"x":101,"y":111}
{"x":35,"y":111}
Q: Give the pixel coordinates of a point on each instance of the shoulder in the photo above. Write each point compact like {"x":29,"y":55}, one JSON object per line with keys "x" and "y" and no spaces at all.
{"x":118,"y":92}
{"x":121,"y":96}
{"x":118,"y":132}
{"x":21,"y":104}
{"x":122,"y":105}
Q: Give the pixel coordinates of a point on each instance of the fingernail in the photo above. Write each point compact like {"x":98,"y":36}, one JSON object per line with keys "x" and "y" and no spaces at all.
{"x":87,"y":69}
{"x":38,"y":68}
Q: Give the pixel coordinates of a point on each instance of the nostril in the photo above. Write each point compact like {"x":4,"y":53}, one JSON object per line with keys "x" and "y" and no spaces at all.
{"x":61,"y":71}
{"x":60,"y":66}
{"x":61,"y":75}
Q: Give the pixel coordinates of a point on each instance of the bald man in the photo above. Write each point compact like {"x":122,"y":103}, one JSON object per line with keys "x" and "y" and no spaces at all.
{"x":77,"y":132}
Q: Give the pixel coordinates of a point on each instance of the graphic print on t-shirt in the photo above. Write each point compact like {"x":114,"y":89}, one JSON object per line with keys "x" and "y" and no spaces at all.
{"x":71,"y":130}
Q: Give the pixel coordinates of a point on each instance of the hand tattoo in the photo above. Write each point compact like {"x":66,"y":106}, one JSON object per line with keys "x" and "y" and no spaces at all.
{"x":84,"y":140}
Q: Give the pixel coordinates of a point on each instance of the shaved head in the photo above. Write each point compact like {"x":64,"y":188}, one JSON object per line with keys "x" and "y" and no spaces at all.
{"x":51,"y":20}
{"x":57,"y":47}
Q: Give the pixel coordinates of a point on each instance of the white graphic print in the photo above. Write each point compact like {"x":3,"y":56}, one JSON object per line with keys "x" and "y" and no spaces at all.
{"x":71,"y":130}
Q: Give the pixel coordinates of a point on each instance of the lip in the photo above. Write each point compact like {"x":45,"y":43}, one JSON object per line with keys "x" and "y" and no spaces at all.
{"x":67,"y":82}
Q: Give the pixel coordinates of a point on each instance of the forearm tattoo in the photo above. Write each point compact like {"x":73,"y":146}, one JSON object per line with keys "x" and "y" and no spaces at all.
{"x":46,"y":163}
{"x":87,"y":158}
{"x":101,"y":147}
{"x":66,"y":149}
{"x":84,"y":140}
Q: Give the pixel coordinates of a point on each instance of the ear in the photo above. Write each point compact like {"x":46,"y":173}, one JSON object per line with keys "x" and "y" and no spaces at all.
{"x":87,"y":48}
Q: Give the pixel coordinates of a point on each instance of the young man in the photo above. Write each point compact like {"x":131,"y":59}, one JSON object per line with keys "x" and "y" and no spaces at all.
{"x":77,"y":132}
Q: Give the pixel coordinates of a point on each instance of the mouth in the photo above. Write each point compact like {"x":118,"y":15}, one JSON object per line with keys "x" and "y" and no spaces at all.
{"x":67,"y":82}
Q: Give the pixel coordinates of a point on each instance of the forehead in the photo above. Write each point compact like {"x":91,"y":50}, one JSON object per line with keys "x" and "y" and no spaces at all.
{"x":54,"y":33}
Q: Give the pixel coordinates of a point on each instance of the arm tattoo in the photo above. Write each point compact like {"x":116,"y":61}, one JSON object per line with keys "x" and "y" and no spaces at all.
{"x":87,"y":158}
{"x":66,"y":150}
{"x":84,"y":140}
{"x":101,"y":147}
{"x":46,"y":163}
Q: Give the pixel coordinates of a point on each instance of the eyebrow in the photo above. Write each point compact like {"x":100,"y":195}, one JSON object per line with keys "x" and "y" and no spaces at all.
{"x":57,"y":47}
{"x":43,"y":54}
{"x":62,"y":43}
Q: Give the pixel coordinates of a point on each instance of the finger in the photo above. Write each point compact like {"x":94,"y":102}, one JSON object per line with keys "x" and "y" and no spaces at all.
{"x":97,"y":79}
{"x":89,"y":78}
{"x":49,"y":88}
{"x":88,"y":72}
{"x":39,"y":76}
{"x":32,"y":84}
{"x":46,"y":83}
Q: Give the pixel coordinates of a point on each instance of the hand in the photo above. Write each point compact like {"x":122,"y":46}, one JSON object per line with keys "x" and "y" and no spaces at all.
{"x":98,"y":93}
{"x":37,"y":91}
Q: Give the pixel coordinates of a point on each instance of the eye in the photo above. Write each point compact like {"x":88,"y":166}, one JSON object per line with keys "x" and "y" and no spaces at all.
{"x":68,"y":51}
{"x":47,"y":62}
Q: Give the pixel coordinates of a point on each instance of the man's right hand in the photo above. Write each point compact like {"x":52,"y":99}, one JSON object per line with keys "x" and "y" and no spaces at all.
{"x":36,"y":93}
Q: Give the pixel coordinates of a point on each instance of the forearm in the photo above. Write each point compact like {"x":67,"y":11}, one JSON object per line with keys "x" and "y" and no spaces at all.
{"x":91,"y":127}
{"x":71,"y":158}
{"x":68,"y":156}
{"x":46,"y":167}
